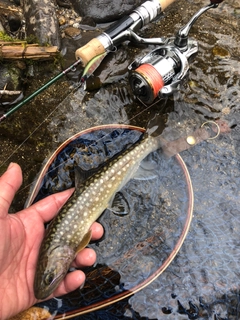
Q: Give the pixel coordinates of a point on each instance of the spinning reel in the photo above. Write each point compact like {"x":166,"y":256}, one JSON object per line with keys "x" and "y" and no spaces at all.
{"x":161,"y":71}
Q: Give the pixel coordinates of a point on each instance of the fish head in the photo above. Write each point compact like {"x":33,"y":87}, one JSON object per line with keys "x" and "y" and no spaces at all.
{"x":52,"y":267}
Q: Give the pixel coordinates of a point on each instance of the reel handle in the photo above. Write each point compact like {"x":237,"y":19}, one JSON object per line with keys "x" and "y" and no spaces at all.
{"x":105,"y":42}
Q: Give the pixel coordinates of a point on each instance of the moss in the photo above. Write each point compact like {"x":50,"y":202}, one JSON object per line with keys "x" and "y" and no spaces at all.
{"x":5,"y":37}
{"x":32,"y":39}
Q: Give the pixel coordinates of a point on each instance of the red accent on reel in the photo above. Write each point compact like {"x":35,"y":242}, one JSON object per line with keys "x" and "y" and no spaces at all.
{"x":152,"y":76}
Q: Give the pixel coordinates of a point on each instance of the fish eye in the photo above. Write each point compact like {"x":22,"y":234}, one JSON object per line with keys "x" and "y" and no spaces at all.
{"x":49,"y":278}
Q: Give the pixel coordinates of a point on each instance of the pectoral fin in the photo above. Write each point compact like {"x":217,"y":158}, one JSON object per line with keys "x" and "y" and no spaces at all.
{"x":145,"y":171}
{"x":85,"y":241}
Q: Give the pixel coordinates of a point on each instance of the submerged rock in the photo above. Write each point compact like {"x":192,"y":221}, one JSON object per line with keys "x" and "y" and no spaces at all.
{"x":41,"y":22}
{"x":10,"y":19}
{"x":104,"y":11}
{"x":10,"y":82}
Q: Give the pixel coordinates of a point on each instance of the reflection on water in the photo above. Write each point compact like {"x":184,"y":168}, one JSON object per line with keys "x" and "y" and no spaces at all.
{"x":203,"y":280}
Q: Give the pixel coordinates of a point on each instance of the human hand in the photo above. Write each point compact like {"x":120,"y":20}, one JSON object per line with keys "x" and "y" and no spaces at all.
{"x":21,"y":235}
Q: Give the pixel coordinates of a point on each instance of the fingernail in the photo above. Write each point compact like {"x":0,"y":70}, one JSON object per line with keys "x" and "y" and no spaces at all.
{"x":10,"y":166}
{"x":82,"y":285}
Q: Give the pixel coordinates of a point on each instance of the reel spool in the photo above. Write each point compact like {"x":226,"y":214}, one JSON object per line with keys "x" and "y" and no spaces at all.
{"x":148,"y":79}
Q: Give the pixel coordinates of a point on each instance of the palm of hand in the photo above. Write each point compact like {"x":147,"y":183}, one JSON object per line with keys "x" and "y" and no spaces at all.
{"x":18,"y":254}
{"x":21,"y":235}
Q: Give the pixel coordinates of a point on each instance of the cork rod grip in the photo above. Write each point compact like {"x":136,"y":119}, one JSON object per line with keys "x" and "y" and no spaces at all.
{"x":165,"y":3}
{"x":92,"y":49}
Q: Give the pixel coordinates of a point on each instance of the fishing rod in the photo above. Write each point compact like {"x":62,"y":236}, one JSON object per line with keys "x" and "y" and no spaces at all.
{"x":105,"y":43}
{"x":160,"y":72}
{"x":41,"y":89}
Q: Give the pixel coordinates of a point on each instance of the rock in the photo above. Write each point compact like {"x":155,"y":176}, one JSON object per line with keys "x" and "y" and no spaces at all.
{"x":61,"y":20}
{"x":10,"y":18}
{"x":41,"y":22}
{"x":14,"y":22}
{"x":1,"y":27}
{"x":63,"y":3}
{"x":17,"y":2}
{"x":72,"y":32}
{"x":104,"y":11}
{"x":221,"y":52}
{"x":10,"y":80}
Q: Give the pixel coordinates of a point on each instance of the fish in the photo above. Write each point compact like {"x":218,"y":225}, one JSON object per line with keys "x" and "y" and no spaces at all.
{"x":69,"y":232}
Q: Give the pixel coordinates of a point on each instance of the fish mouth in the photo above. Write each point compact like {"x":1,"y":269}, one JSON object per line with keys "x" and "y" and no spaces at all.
{"x":41,"y":295}
{"x":42,"y":292}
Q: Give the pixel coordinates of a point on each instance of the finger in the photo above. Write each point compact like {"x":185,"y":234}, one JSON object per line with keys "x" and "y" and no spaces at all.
{"x":71,"y":282}
{"x":47,"y":208}
{"x":86,"y":258}
{"x":97,"y":231}
{"x":10,"y":182}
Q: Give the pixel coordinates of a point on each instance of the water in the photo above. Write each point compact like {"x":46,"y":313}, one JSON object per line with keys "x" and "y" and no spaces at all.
{"x":203,"y":280}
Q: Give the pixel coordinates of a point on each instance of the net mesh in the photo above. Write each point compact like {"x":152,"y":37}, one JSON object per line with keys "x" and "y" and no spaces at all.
{"x":136,"y":245}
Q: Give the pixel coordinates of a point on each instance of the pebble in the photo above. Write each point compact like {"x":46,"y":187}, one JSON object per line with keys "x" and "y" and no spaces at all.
{"x":220,"y":52}
{"x":76,"y":25}
{"x":69,"y":22}
{"x":72,"y":32}
{"x":61,"y":20}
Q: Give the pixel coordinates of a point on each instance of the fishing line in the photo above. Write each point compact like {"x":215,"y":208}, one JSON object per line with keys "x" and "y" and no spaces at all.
{"x":36,"y":129}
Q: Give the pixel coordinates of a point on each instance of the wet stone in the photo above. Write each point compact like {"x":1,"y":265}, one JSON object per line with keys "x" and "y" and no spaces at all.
{"x":72,"y":32}
{"x":61,"y":20}
{"x":220,"y":52}
{"x":41,"y":22}
{"x":104,"y":11}
{"x":237,"y":12}
{"x":14,"y":22}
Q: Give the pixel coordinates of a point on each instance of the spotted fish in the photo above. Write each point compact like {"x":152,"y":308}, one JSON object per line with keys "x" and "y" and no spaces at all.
{"x":70,"y":231}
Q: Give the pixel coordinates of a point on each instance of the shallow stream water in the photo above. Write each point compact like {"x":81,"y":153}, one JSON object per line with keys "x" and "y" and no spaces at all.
{"x":203,"y":280}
